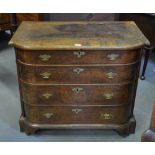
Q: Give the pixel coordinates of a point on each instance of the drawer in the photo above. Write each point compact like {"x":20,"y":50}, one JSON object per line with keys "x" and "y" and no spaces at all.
{"x":77,"y":114}
{"x":77,"y":74}
{"x":78,"y":57}
{"x":48,"y":95}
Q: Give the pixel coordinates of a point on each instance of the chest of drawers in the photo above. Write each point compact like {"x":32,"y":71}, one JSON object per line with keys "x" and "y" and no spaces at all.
{"x":78,"y":75}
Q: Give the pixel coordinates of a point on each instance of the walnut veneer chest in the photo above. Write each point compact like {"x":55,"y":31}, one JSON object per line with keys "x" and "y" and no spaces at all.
{"x":78,"y":75}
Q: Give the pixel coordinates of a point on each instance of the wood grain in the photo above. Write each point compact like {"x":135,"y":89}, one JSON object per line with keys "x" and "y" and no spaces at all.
{"x":66,"y":74}
{"x":64,"y":95}
{"x":78,"y":35}
{"x":71,"y":57}
{"x":88,"y":115}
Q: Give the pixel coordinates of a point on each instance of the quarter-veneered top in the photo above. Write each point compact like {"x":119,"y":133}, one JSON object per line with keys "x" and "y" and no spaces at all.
{"x":78,"y":35}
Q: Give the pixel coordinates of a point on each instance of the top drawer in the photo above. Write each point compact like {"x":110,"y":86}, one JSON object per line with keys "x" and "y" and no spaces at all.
{"x":78,"y":57}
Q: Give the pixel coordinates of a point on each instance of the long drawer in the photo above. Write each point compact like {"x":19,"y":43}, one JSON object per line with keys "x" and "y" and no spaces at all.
{"x":77,"y":114}
{"x":48,"y":95}
{"x":78,"y":57}
{"x":77,"y":74}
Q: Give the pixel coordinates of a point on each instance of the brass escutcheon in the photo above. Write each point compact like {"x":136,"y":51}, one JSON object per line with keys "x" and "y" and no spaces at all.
{"x":108,"y":96}
{"x":112,"y":56}
{"x":48,"y":115}
{"x":76,"y":110}
{"x":77,"y":89}
{"x":106,"y":116}
{"x":44,"y":57}
{"x":47,"y":95}
{"x":111,"y":75}
{"x":78,"y":70}
{"x":45,"y":75}
{"x":79,"y":53}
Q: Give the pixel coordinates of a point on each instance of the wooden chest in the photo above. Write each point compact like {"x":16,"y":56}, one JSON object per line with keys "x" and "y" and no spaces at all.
{"x":78,"y":75}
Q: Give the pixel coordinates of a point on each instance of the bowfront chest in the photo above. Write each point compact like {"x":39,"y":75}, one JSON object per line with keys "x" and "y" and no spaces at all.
{"x":78,"y":75}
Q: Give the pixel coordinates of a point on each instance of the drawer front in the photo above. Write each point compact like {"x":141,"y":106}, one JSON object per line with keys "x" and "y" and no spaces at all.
{"x":77,"y":74}
{"x":47,"y":95}
{"x":77,"y":115}
{"x":78,"y":57}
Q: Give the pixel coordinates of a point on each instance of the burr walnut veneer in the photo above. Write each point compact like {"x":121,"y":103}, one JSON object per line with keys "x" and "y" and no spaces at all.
{"x":78,"y":75}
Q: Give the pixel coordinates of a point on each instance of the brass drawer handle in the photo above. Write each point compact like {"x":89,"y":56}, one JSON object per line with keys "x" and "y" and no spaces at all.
{"x":78,"y":70}
{"x":112,"y":56}
{"x":106,"y":116}
{"x":76,"y":110}
{"x":44,"y":57}
{"x":79,"y":54}
{"x":108,"y":96}
{"x":111,"y":75}
{"x":77,"y":90}
{"x":47,"y":95}
{"x":48,"y":115}
{"x":45,"y":75}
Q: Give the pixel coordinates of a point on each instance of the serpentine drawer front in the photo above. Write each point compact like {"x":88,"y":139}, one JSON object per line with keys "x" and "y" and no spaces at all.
{"x":78,"y":75}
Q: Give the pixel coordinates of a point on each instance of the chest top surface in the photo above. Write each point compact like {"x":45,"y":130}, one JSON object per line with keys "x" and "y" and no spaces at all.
{"x":78,"y":35}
